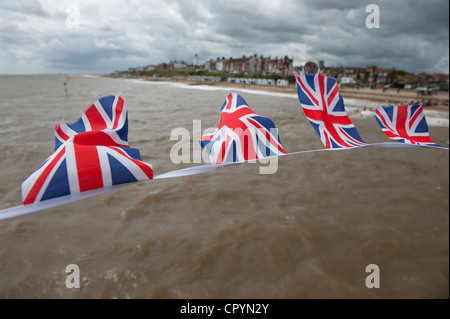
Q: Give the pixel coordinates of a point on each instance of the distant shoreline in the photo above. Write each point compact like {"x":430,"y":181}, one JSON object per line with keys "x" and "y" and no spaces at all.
{"x":439,"y":101}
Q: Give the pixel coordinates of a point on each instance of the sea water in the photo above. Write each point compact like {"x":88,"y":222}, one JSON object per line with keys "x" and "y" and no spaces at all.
{"x":307,"y":231}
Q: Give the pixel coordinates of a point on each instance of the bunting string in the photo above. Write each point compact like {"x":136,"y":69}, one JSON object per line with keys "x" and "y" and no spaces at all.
{"x":92,"y":155}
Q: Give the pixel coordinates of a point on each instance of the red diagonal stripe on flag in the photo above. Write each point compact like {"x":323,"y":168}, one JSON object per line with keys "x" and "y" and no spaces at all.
{"x":95,"y":118}
{"x":119,"y":108}
{"x":34,"y":191}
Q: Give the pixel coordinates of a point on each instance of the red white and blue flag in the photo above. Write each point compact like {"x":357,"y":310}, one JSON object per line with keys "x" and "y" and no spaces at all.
{"x":324,"y":107}
{"x":91,"y":153}
{"x":107,"y":114}
{"x":241,"y":135}
{"x":405,"y":124}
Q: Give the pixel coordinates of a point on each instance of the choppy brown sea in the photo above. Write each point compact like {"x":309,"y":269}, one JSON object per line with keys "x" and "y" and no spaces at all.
{"x":307,"y":231}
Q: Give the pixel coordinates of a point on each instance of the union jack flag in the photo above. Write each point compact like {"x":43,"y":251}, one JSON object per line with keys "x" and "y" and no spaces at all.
{"x":241,"y":135}
{"x":91,"y":153}
{"x":107,"y":114}
{"x":405,"y":124}
{"x":324,"y":107}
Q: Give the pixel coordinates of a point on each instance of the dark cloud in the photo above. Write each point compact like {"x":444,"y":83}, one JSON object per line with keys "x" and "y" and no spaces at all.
{"x":25,"y":8}
{"x":336,"y":5}
{"x":400,"y":41}
{"x":413,"y":34}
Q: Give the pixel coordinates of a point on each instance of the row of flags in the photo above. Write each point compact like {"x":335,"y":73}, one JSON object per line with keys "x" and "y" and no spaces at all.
{"x":93,"y":152}
{"x":324,"y":107}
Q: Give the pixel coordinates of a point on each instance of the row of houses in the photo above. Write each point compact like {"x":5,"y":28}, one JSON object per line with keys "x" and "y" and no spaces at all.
{"x":171,"y":66}
{"x":278,"y":82}
{"x":257,"y":81}
{"x":284,"y":66}
{"x":373,"y":75}
{"x":363,"y":75}
{"x":244,"y":65}
{"x":252,"y":65}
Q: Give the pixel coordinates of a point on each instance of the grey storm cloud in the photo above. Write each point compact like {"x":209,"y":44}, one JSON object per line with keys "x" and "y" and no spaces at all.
{"x":24,"y":8}
{"x":115,"y":35}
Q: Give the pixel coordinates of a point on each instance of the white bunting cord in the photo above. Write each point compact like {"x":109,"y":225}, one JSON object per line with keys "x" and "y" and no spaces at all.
{"x":31,"y":208}
{"x":194,"y":170}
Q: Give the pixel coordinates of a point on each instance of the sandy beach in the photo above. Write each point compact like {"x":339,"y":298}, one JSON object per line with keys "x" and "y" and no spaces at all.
{"x":439,"y":101}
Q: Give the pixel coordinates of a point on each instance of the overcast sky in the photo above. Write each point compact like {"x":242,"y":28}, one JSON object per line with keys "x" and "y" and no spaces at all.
{"x":44,"y":37}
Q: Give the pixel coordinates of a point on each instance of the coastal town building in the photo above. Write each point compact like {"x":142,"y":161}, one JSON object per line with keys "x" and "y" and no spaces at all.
{"x":381,"y":76}
{"x":260,"y":66}
{"x":174,"y":66}
{"x":195,"y":59}
{"x":252,"y":65}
